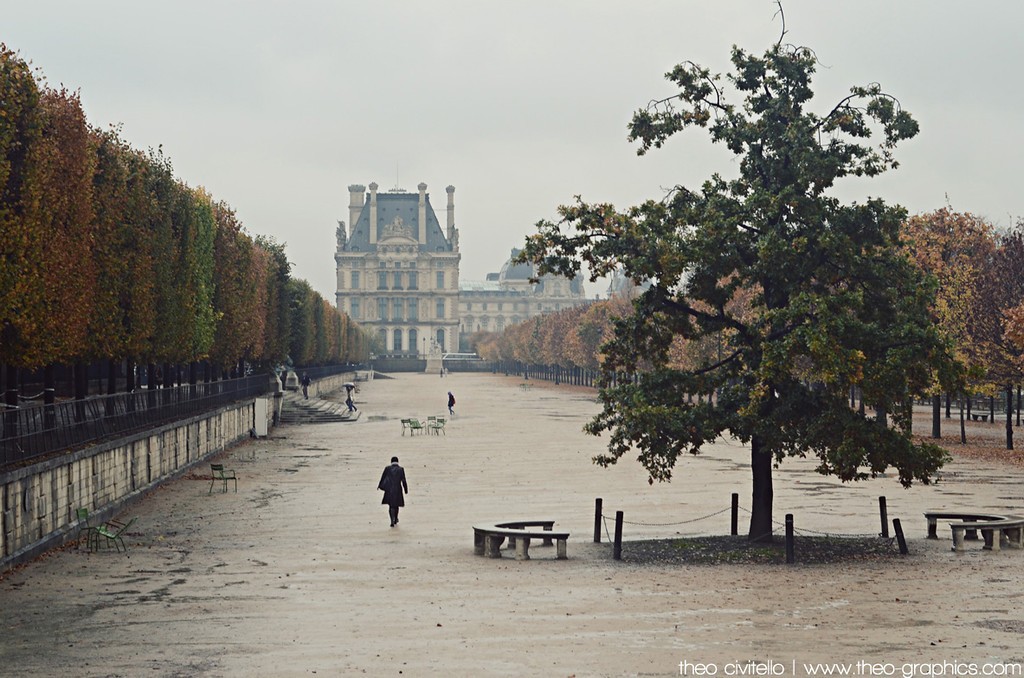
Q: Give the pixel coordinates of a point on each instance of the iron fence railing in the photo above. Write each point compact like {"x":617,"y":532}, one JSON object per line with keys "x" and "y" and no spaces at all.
{"x":31,"y":432}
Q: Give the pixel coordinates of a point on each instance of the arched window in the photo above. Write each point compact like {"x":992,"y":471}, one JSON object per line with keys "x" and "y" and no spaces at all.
{"x":398,"y":341}
{"x":413,"y":337}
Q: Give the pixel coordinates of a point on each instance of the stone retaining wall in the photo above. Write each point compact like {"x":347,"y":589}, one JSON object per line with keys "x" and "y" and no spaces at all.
{"x":38,"y":502}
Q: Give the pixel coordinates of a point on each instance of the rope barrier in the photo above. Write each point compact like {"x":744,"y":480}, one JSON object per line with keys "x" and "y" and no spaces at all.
{"x":823,"y":534}
{"x":790,"y":529}
{"x":681,"y":522}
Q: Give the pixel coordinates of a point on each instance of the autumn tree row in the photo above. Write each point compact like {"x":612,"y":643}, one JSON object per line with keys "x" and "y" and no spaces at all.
{"x":106,"y":255}
{"x":979,"y":308}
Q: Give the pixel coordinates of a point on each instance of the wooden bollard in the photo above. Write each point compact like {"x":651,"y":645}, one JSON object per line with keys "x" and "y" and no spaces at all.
{"x":597,"y":520}
{"x":617,"y":547}
{"x":790,"y":551}
{"x":884,"y":516}
{"x":900,"y":539}
{"x":735,"y":523}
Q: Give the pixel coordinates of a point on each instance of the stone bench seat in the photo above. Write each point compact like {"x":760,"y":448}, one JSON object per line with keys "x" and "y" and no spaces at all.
{"x":933,"y":518}
{"x":488,"y":538}
{"x":1006,"y":528}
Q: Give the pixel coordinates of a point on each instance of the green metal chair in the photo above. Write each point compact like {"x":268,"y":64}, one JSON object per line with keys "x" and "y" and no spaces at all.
{"x":84,"y":526}
{"x":111,"y":532}
{"x":218,"y":472}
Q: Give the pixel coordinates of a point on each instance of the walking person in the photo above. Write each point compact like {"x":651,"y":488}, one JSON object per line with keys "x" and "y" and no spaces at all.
{"x":451,"y":404}
{"x":305,"y":385}
{"x":392,"y":482}
{"x":351,"y":405}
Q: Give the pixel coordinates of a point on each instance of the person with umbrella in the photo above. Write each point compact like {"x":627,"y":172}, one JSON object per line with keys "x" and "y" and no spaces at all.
{"x":349,"y":386}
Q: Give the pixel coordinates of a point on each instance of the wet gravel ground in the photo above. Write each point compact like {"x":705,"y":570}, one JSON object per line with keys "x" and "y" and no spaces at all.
{"x":729,"y":549}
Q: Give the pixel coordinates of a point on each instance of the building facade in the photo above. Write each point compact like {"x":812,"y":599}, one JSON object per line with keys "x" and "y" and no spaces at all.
{"x":398,"y":270}
{"x":509,"y":297}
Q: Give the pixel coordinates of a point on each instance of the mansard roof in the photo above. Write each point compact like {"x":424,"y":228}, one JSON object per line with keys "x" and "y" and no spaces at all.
{"x":403,"y":206}
{"x":512,"y":271}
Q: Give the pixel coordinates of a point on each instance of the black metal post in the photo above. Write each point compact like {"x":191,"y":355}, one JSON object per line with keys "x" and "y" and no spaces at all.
{"x":617,"y":548}
{"x":899,"y":536}
{"x":790,"y":551}
{"x":597,"y":519}
{"x":884,"y":516}
{"x":735,"y":523}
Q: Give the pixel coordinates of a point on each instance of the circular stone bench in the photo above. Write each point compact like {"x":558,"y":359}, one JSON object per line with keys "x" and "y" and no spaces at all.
{"x":487,"y":538}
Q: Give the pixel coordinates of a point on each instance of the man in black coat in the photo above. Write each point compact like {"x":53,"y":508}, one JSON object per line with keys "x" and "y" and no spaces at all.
{"x":392,"y":482}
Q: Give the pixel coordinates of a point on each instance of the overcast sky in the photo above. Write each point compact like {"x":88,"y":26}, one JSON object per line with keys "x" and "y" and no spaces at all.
{"x":276,"y":107}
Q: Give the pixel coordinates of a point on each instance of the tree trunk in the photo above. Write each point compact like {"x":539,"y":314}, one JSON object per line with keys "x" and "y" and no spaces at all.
{"x":761,"y":500}
{"x":81,"y":384}
{"x":112,"y":369}
{"x":936,"y":416}
{"x":1009,"y":416}
{"x":49,"y":397}
{"x":151,"y":385}
{"x":129,"y":384}
{"x":963,"y":425}
{"x":108,"y":403}
{"x":11,"y":401}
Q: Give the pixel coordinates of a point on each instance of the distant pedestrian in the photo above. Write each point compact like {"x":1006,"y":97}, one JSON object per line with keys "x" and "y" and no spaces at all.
{"x":451,"y":404}
{"x":305,"y":385}
{"x":351,"y":405}
{"x":392,"y":482}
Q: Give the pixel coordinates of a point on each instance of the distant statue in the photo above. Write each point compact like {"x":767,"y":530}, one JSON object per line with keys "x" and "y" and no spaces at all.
{"x":396,"y":228}
{"x":341,"y":234}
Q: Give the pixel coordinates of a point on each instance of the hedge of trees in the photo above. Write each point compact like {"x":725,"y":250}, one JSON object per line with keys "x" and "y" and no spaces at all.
{"x":105,"y":255}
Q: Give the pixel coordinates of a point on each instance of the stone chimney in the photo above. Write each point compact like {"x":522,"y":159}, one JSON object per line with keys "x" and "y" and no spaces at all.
{"x":451,"y":208}
{"x":423,"y":213}
{"x":355,"y":204}
{"x":373,"y":213}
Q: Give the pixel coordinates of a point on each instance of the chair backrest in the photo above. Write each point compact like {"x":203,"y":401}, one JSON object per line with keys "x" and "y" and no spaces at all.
{"x":82,"y":514}
{"x":124,"y":527}
{"x":217,"y":468}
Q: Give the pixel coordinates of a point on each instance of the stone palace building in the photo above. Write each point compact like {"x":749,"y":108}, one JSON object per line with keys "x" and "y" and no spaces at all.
{"x":398,"y":276}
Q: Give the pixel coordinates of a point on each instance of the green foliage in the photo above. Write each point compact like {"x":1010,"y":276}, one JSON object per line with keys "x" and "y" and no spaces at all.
{"x":833,"y":302}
